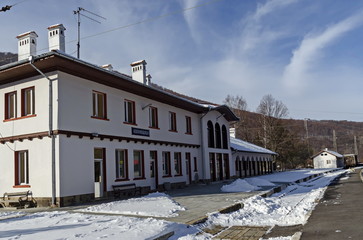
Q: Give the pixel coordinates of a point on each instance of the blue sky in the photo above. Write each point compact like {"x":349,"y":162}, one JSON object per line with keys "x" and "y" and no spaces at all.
{"x":306,"y":53}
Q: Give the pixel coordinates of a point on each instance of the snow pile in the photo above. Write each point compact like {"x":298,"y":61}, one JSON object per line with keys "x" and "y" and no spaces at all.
{"x":154,"y":205}
{"x":289,"y":207}
{"x":240,"y":185}
{"x":63,"y":225}
{"x":260,"y":182}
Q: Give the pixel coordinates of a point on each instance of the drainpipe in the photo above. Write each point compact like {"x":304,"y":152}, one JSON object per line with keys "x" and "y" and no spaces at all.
{"x":50,"y":125}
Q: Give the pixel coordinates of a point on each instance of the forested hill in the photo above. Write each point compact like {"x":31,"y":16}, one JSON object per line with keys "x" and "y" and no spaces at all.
{"x":318,"y":134}
{"x":6,"y":57}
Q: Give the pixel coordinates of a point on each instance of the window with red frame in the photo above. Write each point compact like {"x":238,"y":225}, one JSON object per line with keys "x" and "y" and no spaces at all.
{"x":130,"y":112}
{"x":153,"y":117}
{"x":10,"y":105}
{"x":177,"y":164}
{"x":21,"y":168}
{"x":27,"y":102}
{"x":172,"y":121}
{"x":188,"y":123}
{"x":138,"y":164}
{"x":99,"y":105}
{"x":121,"y":164}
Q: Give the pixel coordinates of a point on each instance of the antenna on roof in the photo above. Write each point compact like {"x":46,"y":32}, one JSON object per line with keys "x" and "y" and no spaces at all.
{"x":78,"y":12}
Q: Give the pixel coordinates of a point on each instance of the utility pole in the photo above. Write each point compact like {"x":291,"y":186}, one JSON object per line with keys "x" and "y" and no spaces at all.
{"x":78,"y":12}
{"x":335,"y":142}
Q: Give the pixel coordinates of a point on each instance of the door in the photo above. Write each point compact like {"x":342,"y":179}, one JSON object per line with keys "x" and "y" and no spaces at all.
{"x":188,"y":168}
{"x":99,"y":172}
{"x":153,"y":170}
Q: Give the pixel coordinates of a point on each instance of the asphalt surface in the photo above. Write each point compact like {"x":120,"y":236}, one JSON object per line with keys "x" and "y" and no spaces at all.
{"x":339,"y":214}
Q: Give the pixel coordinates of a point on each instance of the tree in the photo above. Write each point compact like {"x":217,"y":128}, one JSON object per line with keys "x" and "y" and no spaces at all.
{"x":239,"y":106}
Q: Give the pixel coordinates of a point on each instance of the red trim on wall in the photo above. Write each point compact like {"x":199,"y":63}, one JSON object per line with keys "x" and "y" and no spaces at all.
{"x":104,"y":171}
{"x":21,"y":186}
{"x":106,"y":119}
{"x":23,"y":117}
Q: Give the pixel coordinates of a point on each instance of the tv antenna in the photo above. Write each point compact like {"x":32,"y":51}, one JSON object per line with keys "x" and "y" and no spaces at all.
{"x":79,"y":14}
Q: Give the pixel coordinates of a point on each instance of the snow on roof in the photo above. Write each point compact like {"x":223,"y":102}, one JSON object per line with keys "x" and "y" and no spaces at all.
{"x":338,"y":155}
{"x":243,"y":146}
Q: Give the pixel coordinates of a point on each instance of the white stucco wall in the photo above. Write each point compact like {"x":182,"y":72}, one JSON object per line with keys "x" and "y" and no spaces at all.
{"x":40,"y":175}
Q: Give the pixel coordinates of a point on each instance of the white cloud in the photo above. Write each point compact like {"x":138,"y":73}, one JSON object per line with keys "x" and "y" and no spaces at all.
{"x":298,"y":71}
{"x":191,"y":18}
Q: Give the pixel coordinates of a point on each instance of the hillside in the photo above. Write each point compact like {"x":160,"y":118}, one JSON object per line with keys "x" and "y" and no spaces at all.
{"x":7,"y":57}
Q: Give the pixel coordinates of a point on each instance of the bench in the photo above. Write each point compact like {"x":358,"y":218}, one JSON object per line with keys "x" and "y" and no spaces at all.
{"x":121,"y":189}
{"x":18,"y":199}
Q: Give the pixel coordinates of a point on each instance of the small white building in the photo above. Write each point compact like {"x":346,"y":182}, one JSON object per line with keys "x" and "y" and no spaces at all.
{"x":250,"y":159}
{"x":328,"y":159}
{"x":71,"y":130}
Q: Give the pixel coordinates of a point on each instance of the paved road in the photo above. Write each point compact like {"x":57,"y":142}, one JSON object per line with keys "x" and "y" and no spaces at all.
{"x":339,"y":215}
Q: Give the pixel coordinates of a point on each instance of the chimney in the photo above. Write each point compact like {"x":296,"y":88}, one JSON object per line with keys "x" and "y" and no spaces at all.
{"x":27,"y":45}
{"x":108,"y":67}
{"x":232,"y":132}
{"x":138,"y":70}
{"x":56,"y":38}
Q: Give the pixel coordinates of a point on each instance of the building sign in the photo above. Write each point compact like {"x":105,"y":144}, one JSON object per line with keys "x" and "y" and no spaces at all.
{"x":140,"y":132}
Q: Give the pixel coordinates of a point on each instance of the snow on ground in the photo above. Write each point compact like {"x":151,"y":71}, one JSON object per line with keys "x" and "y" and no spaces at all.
{"x":67,"y":226}
{"x":240,"y":185}
{"x":289,"y":207}
{"x":154,"y":205}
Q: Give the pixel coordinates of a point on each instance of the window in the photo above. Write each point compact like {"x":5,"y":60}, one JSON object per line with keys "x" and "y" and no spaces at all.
{"x":138,"y":164}
{"x":129,"y":112}
{"x":177,"y":164}
{"x":21,"y":168}
{"x":10,"y":105}
{"x":27,"y":102}
{"x":172,"y":121}
{"x":99,"y":105}
{"x":121,"y":164}
{"x":210,"y":134}
{"x":188,"y":163}
{"x":218,"y":136}
{"x":195,"y":165}
{"x":224,"y":137}
{"x":188,"y":122}
{"x":166,"y":164}
{"x":153,"y":117}
{"x":328,"y":161}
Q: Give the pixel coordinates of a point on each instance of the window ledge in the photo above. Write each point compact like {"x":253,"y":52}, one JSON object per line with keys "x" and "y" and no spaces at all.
{"x":173,"y":131}
{"x":21,"y":186}
{"x":100,"y":118}
{"x":178,"y":175}
{"x":157,"y":128}
{"x":122,"y":179}
{"x":167,"y":176}
{"x":187,"y":133}
{"x":22,"y":117}
{"x":134,"y":124}
{"x":142,"y":178}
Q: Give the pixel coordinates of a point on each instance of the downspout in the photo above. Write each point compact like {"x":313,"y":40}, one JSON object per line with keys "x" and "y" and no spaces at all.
{"x":50,"y":130}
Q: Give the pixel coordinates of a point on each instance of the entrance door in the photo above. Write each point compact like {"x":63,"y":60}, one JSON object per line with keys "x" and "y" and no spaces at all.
{"x":188,"y":168}
{"x":99,"y":181}
{"x":154,"y":170}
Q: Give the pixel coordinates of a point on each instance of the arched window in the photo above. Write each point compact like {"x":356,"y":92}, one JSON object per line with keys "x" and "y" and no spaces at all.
{"x":237,"y":163}
{"x":210,"y":134}
{"x":218,"y":136}
{"x":224,"y":137}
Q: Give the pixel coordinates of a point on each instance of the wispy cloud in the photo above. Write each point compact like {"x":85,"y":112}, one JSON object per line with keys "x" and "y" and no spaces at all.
{"x":298,"y":71}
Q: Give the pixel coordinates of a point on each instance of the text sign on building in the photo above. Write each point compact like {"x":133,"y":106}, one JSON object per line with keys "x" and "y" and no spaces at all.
{"x":140,"y":132}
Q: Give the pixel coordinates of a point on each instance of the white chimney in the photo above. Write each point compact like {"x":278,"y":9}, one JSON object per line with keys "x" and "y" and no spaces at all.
{"x":56,"y":37}
{"x":27,"y":45}
{"x":138,"y":70}
{"x":232,"y":132}
{"x":108,"y":67}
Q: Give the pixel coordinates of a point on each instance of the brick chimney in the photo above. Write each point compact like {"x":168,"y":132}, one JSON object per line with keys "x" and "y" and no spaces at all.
{"x":27,"y":45}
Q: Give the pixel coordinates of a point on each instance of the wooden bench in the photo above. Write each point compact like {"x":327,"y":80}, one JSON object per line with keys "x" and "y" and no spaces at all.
{"x":122,"y":189}
{"x":18,"y":199}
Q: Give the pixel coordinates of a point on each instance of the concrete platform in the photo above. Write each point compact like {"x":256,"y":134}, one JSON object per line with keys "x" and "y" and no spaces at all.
{"x":339,"y":214}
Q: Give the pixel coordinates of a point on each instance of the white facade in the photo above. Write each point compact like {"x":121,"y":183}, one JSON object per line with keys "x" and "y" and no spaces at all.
{"x":328,"y":159}
{"x":91,"y":115}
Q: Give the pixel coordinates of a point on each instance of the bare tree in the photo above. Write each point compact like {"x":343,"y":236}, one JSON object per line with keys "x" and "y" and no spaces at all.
{"x":236,"y":102}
